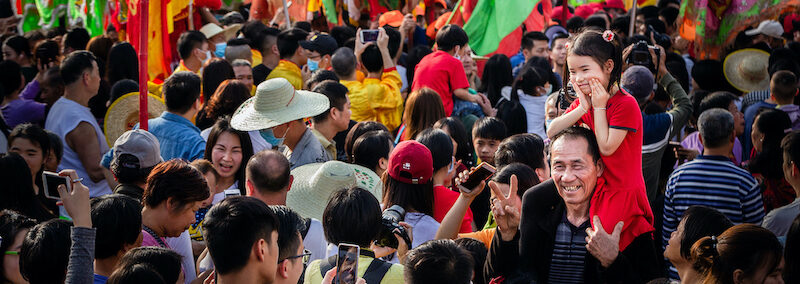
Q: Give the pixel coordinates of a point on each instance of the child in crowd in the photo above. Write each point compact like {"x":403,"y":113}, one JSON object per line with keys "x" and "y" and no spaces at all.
{"x":783,"y":89}
{"x":594,"y":62}
{"x":487,"y":133}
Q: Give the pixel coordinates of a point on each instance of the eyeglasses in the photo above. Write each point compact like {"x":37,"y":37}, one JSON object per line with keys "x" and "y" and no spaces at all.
{"x":306,"y":257}
{"x":11,"y":252}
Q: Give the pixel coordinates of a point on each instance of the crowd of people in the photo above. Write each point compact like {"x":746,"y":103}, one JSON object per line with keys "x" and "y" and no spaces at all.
{"x":610,"y":157}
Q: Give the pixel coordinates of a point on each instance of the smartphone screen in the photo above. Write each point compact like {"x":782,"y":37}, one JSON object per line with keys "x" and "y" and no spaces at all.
{"x":51,"y":181}
{"x":481,"y":173}
{"x":347,"y":264}
{"x":369,"y":35}
{"x":232,"y":192}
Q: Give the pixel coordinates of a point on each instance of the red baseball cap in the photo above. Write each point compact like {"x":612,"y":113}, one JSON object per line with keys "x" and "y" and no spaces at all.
{"x":556,"y":15}
{"x":614,"y":4}
{"x":411,"y":163}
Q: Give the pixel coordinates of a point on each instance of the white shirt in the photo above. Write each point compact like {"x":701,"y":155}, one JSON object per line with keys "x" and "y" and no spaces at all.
{"x":315,"y":241}
{"x":534,"y":110}
{"x":780,"y":219}
{"x":183,"y":246}
{"x":64,"y":116}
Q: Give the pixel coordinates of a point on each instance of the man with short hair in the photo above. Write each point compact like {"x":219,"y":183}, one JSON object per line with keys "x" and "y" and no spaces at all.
{"x":71,"y":119}
{"x":293,"y":57}
{"x":319,"y":49}
{"x":177,"y":135}
{"x":270,"y":56}
{"x":76,"y":39}
{"x":554,"y":240}
{"x":217,"y":38}
{"x":442,"y":70}
{"x":333,"y":121}
{"x":780,"y":219}
{"x":292,"y":255}
{"x":533,"y":44}
{"x":136,"y":153}
{"x":438,"y":261}
{"x":118,"y":221}
{"x":712,"y":179}
{"x":378,"y":96}
{"x":194,"y":52}
{"x":783,"y":89}
{"x":238,"y":48}
{"x":243,"y":72}
{"x":242,"y":237}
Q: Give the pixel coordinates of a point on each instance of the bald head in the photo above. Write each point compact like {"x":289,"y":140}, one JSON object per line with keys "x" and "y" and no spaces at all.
{"x":343,"y":62}
{"x":268,"y":172}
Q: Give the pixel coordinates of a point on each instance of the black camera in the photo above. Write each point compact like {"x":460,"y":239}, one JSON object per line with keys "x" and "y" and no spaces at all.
{"x":640,"y":55}
{"x":390,"y":225}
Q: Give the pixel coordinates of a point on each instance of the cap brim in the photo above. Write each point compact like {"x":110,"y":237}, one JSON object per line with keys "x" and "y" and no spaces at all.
{"x":729,"y":69}
{"x":305,"y":104}
{"x":308,"y":45}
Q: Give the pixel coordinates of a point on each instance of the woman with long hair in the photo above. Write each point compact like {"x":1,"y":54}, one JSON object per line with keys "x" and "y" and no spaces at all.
{"x":32,"y":143}
{"x":215,"y":72}
{"x":744,"y":253}
{"x":229,"y":150}
{"x":18,"y":193}
{"x":424,"y":107}
{"x":769,"y":128}
{"x":122,"y":63}
{"x":497,"y":74}
{"x":229,"y":96}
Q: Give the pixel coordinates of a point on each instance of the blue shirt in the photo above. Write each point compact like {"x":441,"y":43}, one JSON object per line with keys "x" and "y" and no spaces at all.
{"x":715,"y":182}
{"x":177,"y":137}
{"x":100,"y":279}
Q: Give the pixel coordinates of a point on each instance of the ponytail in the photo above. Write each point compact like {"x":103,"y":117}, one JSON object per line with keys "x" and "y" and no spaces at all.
{"x":704,"y":253}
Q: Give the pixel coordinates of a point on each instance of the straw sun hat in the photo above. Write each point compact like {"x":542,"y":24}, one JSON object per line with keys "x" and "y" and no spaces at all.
{"x":123,"y":114}
{"x":276,"y":102}
{"x":210,"y":30}
{"x":746,"y":69}
{"x":314,"y":184}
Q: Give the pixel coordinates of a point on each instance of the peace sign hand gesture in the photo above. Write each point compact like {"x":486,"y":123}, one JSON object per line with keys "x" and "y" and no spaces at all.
{"x":603,"y":246}
{"x":506,"y":210}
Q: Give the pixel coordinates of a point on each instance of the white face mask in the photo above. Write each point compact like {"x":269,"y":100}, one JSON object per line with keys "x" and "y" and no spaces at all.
{"x":548,"y":90}
{"x":208,"y":57}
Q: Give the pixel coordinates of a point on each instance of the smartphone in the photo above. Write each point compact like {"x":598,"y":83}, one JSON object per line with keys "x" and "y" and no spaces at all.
{"x":51,"y":181}
{"x":480,"y":173}
{"x":346,"y":264}
{"x":369,"y":35}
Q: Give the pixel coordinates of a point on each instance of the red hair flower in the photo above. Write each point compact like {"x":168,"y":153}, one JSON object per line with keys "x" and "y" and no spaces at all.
{"x":608,"y":35}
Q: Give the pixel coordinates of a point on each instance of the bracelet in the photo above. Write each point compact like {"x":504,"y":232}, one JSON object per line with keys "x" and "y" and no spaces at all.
{"x":600,"y":108}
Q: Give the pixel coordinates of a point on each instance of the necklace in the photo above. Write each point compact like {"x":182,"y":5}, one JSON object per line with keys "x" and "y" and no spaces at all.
{"x":155,"y":236}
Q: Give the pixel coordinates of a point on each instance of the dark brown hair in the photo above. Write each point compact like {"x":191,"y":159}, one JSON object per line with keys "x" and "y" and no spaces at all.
{"x":177,"y":179}
{"x":590,"y":42}
{"x":746,"y":247}
{"x":423,"y":108}
{"x":229,"y":96}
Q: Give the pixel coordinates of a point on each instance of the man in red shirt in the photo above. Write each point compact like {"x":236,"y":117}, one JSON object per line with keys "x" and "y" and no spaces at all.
{"x":442,"y":70}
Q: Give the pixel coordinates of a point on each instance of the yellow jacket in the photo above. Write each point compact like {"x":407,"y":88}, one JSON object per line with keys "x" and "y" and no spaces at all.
{"x":289,"y":71}
{"x":377,"y":100}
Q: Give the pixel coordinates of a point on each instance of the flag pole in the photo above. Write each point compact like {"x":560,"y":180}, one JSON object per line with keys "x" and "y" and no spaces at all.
{"x":564,"y":9}
{"x":286,"y":13}
{"x":143,"y":77}
{"x":453,"y":13}
{"x":633,"y":20}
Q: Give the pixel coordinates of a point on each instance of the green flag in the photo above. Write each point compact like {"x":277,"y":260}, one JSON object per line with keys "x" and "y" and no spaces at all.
{"x":493,"y":20}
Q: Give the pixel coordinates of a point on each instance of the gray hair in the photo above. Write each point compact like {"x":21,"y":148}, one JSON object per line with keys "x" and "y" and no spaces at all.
{"x":240,"y":63}
{"x":716,"y":127}
{"x":344,"y":62}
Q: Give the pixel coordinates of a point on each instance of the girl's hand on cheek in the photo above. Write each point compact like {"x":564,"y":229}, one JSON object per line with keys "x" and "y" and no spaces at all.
{"x":584,"y":99}
{"x":599,"y":94}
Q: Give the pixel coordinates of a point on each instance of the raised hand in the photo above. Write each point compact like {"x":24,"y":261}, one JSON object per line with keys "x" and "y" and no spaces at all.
{"x":602,"y":245}
{"x":584,"y":99}
{"x":599,"y":94}
{"x":76,"y":202}
{"x":506,"y":210}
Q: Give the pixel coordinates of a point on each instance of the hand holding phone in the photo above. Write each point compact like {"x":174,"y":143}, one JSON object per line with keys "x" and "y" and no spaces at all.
{"x":368,"y":35}
{"x":347,"y":264}
{"x":478,"y":174}
{"x":51,"y":181}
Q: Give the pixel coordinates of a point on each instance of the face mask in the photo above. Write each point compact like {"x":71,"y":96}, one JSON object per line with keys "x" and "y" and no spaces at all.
{"x":208,"y":57}
{"x":548,"y":90}
{"x":312,"y":65}
{"x":220,"y":49}
{"x":269,"y":136}
{"x":548,"y":122}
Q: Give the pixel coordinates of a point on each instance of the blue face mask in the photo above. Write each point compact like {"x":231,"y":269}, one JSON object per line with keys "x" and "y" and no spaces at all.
{"x":312,"y":65}
{"x":220,"y":49}
{"x":269,"y":136}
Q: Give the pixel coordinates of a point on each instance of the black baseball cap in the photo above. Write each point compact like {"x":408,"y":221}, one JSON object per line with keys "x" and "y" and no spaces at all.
{"x":321,"y":43}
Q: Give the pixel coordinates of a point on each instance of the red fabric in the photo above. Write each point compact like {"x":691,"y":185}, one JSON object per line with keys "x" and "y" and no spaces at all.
{"x":624,"y":198}
{"x":444,"y":74}
{"x":443,"y":200}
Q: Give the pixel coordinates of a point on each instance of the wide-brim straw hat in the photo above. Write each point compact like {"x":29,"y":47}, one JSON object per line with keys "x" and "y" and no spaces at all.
{"x":746,"y":69}
{"x":276,"y":102}
{"x":314,"y":184}
{"x":123,"y":114}
{"x":210,"y":30}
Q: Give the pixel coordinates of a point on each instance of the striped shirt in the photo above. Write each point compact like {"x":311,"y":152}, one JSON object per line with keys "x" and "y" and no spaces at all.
{"x":715,"y":182}
{"x":569,"y":253}
{"x":754,"y":97}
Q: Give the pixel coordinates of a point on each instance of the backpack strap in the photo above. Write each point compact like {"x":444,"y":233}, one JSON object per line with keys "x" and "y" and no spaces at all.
{"x":374,"y":273}
{"x":307,"y":227}
{"x":327,"y":264}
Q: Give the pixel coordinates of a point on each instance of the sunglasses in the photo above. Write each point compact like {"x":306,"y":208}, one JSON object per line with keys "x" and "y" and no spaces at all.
{"x":306,"y":255}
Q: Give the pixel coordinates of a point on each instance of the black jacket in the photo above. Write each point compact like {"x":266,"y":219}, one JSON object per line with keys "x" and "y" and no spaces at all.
{"x":530,"y":252}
